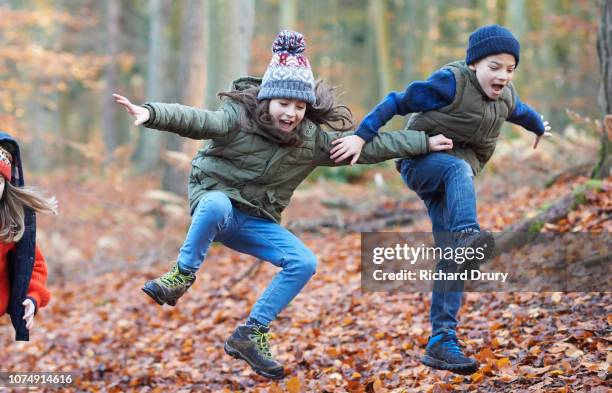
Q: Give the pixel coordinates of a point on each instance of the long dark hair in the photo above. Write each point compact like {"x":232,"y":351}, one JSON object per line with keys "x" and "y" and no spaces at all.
{"x":325,"y":111}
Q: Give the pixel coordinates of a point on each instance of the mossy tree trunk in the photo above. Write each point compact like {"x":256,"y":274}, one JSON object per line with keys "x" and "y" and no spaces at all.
{"x":604,"y":49}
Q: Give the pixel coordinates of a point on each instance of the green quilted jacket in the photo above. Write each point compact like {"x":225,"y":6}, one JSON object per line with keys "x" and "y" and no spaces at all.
{"x":257,"y":174}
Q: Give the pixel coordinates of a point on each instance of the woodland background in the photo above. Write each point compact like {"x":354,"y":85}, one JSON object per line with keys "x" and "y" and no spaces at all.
{"x":123,"y":210}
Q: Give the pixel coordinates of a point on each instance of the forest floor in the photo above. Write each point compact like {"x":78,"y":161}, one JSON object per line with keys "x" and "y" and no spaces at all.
{"x":334,"y":337}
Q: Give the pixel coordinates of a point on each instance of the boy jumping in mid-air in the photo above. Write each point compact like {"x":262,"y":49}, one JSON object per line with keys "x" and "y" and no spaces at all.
{"x":468,"y":101}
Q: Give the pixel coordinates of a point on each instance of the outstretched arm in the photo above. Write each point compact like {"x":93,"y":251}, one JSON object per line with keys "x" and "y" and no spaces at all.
{"x":347,"y":147}
{"x":526,"y":117}
{"x":388,"y":145}
{"x":184,"y":120}
{"x":421,"y":96}
{"x":546,"y":134}
{"x":140,"y":113}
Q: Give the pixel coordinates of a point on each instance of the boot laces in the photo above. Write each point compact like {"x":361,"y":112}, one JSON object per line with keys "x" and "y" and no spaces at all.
{"x":174,"y":278}
{"x":451,"y":343}
{"x":262,"y":340}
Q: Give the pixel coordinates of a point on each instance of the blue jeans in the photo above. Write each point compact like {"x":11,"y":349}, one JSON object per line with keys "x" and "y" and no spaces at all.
{"x":446,"y":185}
{"x":216,"y":219}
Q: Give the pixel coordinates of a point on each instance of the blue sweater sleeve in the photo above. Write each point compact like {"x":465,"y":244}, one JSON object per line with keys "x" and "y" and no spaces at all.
{"x":526,"y":117}
{"x":436,"y":92}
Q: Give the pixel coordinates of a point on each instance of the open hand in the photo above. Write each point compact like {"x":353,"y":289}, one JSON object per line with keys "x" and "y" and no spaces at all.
{"x":439,"y":143}
{"x":546,"y":134}
{"x":29,"y":313}
{"x":142,"y":114}
{"x":346,"y":147}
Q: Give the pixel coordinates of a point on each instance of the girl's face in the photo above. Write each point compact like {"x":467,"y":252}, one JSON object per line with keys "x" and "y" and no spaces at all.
{"x":494,"y":73}
{"x":287,"y":113}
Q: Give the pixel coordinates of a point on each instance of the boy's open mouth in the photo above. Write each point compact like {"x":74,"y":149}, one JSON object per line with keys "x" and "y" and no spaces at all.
{"x":497,"y":87}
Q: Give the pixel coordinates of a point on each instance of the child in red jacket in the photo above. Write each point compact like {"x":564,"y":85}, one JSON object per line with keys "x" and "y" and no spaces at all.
{"x":23,"y":271}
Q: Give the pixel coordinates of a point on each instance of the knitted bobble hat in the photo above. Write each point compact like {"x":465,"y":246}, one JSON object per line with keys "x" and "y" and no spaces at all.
{"x":491,"y":40}
{"x":289,"y":74}
{"x":6,"y":160}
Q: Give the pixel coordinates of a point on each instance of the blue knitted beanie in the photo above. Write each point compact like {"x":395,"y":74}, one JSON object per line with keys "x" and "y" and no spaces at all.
{"x":491,"y":40}
{"x":288,"y":74}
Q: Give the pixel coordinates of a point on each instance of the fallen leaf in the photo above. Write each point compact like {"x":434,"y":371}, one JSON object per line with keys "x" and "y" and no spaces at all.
{"x":378,"y":387}
{"x":477,"y":377}
{"x":294,"y":385}
{"x":485,"y":354}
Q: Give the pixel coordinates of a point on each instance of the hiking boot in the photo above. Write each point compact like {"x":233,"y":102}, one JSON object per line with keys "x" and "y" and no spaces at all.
{"x":250,"y":343}
{"x":475,"y":240}
{"x":444,"y":353}
{"x":169,"y":287}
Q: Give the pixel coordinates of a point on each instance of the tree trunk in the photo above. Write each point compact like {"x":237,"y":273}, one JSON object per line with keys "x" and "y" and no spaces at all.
{"x":429,"y":58}
{"x":149,"y":141}
{"x":192,"y":60}
{"x":109,"y":108}
{"x":517,"y":18}
{"x":377,"y":9}
{"x":544,"y":59}
{"x":604,"y":49}
{"x":414,"y":12}
{"x":288,"y":15}
{"x":43,"y":118}
{"x":232,"y":24}
{"x":243,"y":16}
{"x":487,"y":12}
{"x":500,"y":12}
{"x":190,"y":85}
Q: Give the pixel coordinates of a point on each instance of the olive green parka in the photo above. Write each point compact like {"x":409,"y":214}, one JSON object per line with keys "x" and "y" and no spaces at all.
{"x":256,"y":173}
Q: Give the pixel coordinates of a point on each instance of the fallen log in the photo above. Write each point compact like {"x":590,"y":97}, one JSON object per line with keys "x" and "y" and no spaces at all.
{"x":575,"y":171}
{"x":524,"y":232}
{"x":375,"y":221}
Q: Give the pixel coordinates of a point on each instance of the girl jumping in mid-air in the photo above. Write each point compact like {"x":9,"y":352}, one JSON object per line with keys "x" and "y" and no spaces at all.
{"x":265,"y":140}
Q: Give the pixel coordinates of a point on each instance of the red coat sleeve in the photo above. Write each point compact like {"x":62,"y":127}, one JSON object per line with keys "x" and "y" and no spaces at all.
{"x":38,"y":290}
